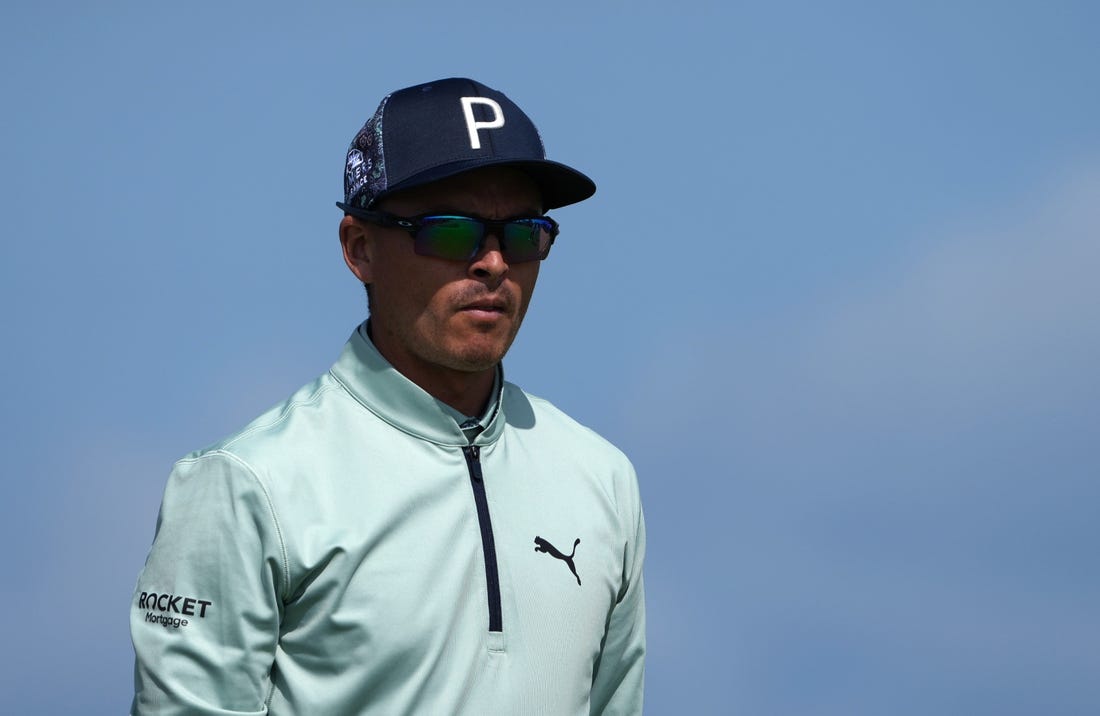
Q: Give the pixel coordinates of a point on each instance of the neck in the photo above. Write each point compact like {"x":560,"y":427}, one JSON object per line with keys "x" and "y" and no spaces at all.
{"x":468,"y":392}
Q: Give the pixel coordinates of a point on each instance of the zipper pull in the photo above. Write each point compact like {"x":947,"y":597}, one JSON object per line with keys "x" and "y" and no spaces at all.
{"x":472,"y":453}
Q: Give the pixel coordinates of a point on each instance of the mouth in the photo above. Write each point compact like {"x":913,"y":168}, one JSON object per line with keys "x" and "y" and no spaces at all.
{"x":486,"y":309}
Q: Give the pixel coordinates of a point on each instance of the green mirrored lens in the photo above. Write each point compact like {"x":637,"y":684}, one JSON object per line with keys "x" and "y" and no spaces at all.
{"x":459,"y":238}
{"x":526,"y":240}
{"x":449,"y":237}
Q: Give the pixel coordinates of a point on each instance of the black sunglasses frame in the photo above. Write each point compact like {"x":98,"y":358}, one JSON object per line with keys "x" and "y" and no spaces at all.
{"x":413,"y":224}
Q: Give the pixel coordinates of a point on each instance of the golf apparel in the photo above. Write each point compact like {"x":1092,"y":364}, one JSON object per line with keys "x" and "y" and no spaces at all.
{"x":352,"y":552}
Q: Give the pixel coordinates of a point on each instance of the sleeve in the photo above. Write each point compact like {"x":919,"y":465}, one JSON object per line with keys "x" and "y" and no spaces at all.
{"x":618,"y":679}
{"x":207,"y":607}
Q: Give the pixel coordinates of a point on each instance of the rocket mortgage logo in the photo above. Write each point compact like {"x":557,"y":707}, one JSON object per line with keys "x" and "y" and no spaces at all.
{"x":172,"y":611}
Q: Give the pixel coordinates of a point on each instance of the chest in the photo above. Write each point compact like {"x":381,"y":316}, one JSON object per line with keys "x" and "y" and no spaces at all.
{"x":418,"y":559}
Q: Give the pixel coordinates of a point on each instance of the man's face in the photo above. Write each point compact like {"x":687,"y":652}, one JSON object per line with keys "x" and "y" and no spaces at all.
{"x":429,"y":314}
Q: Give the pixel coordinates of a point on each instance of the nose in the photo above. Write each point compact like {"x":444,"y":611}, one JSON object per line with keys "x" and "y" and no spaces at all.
{"x":489,"y":264}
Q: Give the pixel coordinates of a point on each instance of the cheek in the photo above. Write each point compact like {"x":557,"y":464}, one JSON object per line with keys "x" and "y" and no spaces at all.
{"x":526,"y":278}
{"x":408,"y":287}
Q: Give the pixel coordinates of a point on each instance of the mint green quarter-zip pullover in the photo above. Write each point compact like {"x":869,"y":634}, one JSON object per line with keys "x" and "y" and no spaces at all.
{"x":351,"y":551}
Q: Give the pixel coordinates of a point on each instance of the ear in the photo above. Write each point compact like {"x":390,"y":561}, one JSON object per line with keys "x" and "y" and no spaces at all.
{"x":358,"y":244}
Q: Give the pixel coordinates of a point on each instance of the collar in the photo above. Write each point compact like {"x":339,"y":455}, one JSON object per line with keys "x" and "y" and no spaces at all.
{"x":471,"y":425}
{"x":381,"y":389}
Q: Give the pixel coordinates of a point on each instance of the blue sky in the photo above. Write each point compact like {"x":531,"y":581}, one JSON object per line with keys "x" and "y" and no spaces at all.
{"x":835,"y":296}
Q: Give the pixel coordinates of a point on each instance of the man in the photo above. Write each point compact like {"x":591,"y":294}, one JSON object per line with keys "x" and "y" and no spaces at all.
{"x":409,"y":534}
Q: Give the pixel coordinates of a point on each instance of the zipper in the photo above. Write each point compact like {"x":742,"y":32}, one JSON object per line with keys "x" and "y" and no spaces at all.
{"x":488,"y":546}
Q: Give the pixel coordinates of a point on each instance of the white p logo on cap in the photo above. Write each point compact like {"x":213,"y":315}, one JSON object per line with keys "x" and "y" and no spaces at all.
{"x":472,"y":125}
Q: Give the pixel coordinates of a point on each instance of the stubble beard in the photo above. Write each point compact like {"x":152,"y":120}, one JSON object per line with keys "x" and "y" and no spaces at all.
{"x":482,"y":352}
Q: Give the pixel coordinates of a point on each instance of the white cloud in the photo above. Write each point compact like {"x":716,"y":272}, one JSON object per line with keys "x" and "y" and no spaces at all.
{"x":1001,"y":311}
{"x":999,"y":315}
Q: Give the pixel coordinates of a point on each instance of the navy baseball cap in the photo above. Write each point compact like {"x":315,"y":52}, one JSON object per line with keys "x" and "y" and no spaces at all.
{"x":435,"y":130}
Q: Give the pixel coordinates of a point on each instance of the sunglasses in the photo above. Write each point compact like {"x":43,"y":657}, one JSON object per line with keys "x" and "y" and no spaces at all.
{"x":460,"y":238}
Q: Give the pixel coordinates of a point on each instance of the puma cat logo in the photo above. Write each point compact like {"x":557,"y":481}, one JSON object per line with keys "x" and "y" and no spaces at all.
{"x":542,"y":545}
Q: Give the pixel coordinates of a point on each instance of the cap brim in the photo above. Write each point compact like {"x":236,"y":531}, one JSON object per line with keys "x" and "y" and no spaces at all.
{"x":559,"y":184}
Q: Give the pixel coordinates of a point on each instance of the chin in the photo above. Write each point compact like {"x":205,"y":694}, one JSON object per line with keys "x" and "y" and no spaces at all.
{"x":479,"y":357}
{"x":472,"y":362}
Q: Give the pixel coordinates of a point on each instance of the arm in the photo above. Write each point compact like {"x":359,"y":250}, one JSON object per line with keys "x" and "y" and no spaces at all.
{"x":207,"y":606}
{"x":618,"y":681}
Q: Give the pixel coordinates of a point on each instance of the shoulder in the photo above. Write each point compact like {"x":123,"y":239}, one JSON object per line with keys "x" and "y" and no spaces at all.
{"x":549,"y":417}
{"x":550,"y":425}
{"x":281,"y":430}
